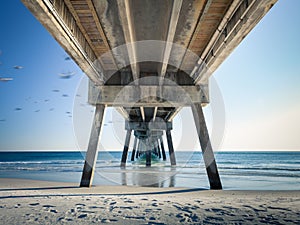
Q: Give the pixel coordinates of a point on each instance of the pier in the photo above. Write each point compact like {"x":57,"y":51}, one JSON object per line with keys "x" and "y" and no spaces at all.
{"x":149,"y":59}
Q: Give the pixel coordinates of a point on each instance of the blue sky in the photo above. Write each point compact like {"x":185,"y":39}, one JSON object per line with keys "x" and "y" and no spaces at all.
{"x":259,"y":83}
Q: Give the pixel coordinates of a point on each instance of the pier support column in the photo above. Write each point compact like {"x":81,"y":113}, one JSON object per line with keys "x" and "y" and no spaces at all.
{"x":138,"y":149}
{"x":91,"y":154}
{"x":207,"y":151}
{"x":148,"y":153}
{"x":162,"y":149}
{"x":134,"y":149}
{"x":125,"y":150}
{"x":171,"y":149}
{"x":158,"y":148}
{"x":148,"y":158}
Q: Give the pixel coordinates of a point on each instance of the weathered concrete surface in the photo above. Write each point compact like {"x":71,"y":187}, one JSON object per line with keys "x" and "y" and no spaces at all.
{"x":92,"y":152}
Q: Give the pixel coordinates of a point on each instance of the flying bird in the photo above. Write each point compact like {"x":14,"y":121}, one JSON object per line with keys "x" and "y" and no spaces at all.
{"x":67,"y":75}
{"x":18,"y":67}
{"x":18,"y":109}
{"x":67,"y":58}
{"x":5,"y":79}
{"x":64,"y":95}
{"x":55,"y":90}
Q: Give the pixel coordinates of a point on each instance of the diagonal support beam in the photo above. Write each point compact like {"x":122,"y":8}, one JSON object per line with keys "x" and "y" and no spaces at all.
{"x":154,"y":113}
{"x":138,"y":149}
{"x":162,"y":149}
{"x":91,"y":154}
{"x":125,"y":150}
{"x":171,"y":148}
{"x":207,"y":151}
{"x":158,"y":148}
{"x":134,"y":149}
{"x":123,"y":112}
{"x":148,"y":152}
{"x":142,"y":112}
{"x":172,"y":116}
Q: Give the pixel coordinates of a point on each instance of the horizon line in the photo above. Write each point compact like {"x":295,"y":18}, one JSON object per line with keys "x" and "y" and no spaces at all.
{"x":181,"y":150}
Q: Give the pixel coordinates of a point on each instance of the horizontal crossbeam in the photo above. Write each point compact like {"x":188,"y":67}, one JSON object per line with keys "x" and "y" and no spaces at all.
{"x":153,"y":126}
{"x":148,"y":95}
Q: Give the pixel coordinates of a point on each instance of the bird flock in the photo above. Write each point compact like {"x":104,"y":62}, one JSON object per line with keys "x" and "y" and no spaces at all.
{"x":62,"y":75}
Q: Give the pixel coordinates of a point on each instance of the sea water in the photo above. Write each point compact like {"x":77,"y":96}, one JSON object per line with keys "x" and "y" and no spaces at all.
{"x":238,"y":170}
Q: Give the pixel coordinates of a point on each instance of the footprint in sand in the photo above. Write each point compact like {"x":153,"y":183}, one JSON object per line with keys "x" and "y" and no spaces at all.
{"x":48,"y":206}
{"x":190,"y":219}
{"x":126,"y":207}
{"x":64,"y":219}
{"x":88,"y":211}
{"x":255,"y":209}
{"x":81,"y":216}
{"x":154,"y":204}
{"x":96,"y":207}
{"x":185,"y":208}
{"x":185,"y":217}
{"x":278,"y":208}
{"x":34,"y":204}
{"x":79,"y":205}
{"x":53,"y":211}
{"x":194,"y":207}
{"x":71,"y":211}
{"x":182,"y":215}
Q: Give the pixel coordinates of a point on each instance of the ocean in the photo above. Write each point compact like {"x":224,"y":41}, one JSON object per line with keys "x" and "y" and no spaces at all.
{"x":238,"y":170}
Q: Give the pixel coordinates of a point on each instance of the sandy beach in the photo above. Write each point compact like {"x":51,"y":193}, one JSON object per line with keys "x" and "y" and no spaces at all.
{"x":41,"y":202}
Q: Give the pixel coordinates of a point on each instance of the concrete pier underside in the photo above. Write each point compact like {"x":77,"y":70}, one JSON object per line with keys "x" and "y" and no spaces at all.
{"x":149,"y":59}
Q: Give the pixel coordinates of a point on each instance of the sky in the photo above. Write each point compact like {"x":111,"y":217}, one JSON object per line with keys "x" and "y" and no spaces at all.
{"x":255,"y":93}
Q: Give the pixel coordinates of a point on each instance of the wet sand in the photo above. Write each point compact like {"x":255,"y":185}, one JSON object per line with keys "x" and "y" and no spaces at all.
{"x":41,"y":202}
